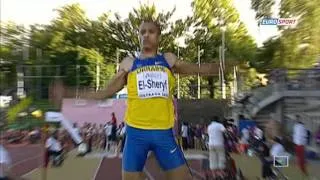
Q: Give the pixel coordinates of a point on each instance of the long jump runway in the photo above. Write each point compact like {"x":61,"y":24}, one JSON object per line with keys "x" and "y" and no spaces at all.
{"x":103,"y":166}
{"x":110,"y":168}
{"x":99,"y":166}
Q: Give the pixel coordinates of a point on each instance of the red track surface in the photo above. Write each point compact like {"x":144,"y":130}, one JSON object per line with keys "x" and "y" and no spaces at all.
{"x":25,"y":158}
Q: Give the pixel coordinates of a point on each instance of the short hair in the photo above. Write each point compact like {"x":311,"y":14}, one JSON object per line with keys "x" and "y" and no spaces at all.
{"x":154,"y":23}
{"x":215,"y":118}
{"x":277,"y":139}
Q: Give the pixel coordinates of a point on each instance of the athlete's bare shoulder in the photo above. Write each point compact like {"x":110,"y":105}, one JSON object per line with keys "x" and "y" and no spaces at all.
{"x":171,"y":58}
{"x":126,"y":63}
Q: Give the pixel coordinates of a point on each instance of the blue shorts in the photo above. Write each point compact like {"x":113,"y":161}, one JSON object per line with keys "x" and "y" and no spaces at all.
{"x":161,"y":142}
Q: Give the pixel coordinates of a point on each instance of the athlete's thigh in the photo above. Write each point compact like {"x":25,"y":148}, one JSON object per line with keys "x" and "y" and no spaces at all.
{"x":135,"y":151}
{"x":180,"y":173}
{"x":167,"y":152}
{"x":133,"y":176}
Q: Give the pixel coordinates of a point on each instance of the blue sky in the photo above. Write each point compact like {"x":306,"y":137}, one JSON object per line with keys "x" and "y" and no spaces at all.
{"x":41,"y":11}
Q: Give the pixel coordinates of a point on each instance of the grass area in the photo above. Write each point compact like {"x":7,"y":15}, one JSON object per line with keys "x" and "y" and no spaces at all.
{"x":74,"y":168}
{"x":251,"y":168}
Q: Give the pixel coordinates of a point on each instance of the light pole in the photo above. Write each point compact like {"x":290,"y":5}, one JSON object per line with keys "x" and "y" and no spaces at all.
{"x":118,"y":61}
{"x":222,"y":61}
{"x":97,"y":75}
{"x":199,"y":54}
{"x":178,"y":75}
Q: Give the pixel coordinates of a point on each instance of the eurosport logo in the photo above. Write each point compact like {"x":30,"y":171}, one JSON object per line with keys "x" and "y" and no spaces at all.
{"x":278,"y":21}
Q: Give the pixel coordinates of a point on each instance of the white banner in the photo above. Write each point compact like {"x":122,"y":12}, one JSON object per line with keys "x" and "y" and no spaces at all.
{"x":58,"y":117}
{"x":53,"y":117}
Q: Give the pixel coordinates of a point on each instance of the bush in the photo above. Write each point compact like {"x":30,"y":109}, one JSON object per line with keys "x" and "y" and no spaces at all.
{"x":15,"y":110}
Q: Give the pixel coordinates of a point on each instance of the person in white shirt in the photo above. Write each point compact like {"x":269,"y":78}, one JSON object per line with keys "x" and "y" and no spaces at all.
{"x":53,"y":146}
{"x":75,"y":128}
{"x":300,"y":140}
{"x":122,"y":137}
{"x":184,"y":135}
{"x":277,"y":149}
{"x":108,"y":131}
{"x":258,"y":133}
{"x":216,"y":147}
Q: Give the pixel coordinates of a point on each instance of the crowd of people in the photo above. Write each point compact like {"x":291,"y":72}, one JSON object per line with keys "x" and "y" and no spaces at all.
{"x":109,"y":137}
{"x":218,"y":138}
{"x":223,"y":137}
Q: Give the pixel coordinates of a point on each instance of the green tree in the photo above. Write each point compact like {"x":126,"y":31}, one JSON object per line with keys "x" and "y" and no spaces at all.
{"x":124,"y":33}
{"x":264,"y":60}
{"x":263,"y":8}
{"x":298,"y":46}
{"x":13,"y":37}
{"x":209,"y":18}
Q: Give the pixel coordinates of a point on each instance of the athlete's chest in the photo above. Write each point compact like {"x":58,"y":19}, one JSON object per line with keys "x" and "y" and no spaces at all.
{"x":151,"y":81}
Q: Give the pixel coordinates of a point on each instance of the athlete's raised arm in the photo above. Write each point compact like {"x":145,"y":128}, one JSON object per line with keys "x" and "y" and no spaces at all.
{"x":187,"y":68}
{"x":115,"y":84}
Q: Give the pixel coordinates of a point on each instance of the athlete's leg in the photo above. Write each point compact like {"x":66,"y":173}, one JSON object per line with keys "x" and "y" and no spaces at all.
{"x":169,"y":155}
{"x":133,"y":176}
{"x":179,"y":173}
{"x":135,"y":154}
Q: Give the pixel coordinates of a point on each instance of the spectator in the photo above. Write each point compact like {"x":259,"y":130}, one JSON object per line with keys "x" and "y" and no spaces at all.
{"x":108,"y":131}
{"x":191,"y":136}
{"x":198,"y":136}
{"x":75,"y":128}
{"x":113,"y":136}
{"x":101,"y":137}
{"x":216,"y":147}
{"x":53,"y":146}
{"x":300,"y":140}
{"x":317,"y":136}
{"x":277,"y":148}
{"x":122,"y":137}
{"x":258,"y":133}
{"x":184,"y":134}
{"x":266,"y":161}
{"x":309,"y":137}
{"x":113,"y":118}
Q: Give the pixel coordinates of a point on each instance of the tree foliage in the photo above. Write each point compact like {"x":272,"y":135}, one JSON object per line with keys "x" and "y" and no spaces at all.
{"x":298,"y":46}
{"x":73,"y":39}
{"x":263,"y":8}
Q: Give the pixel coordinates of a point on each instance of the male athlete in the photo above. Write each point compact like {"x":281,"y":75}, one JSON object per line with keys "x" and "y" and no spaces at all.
{"x":150,"y":109}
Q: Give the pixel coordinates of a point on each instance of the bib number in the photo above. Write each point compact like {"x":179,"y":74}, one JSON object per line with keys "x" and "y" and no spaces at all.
{"x":152,"y":84}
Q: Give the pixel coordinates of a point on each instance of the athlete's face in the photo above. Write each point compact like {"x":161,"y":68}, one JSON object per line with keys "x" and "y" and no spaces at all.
{"x":149,"y":35}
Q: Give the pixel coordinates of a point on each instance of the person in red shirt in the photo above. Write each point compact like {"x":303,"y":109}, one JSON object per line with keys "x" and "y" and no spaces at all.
{"x":114,"y":119}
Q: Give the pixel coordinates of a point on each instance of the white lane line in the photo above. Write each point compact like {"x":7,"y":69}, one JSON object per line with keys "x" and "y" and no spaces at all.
{"x":197,"y":173}
{"x":148,"y":174}
{"x":97,"y":170}
{"x":28,"y":159}
{"x":30,"y":172}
